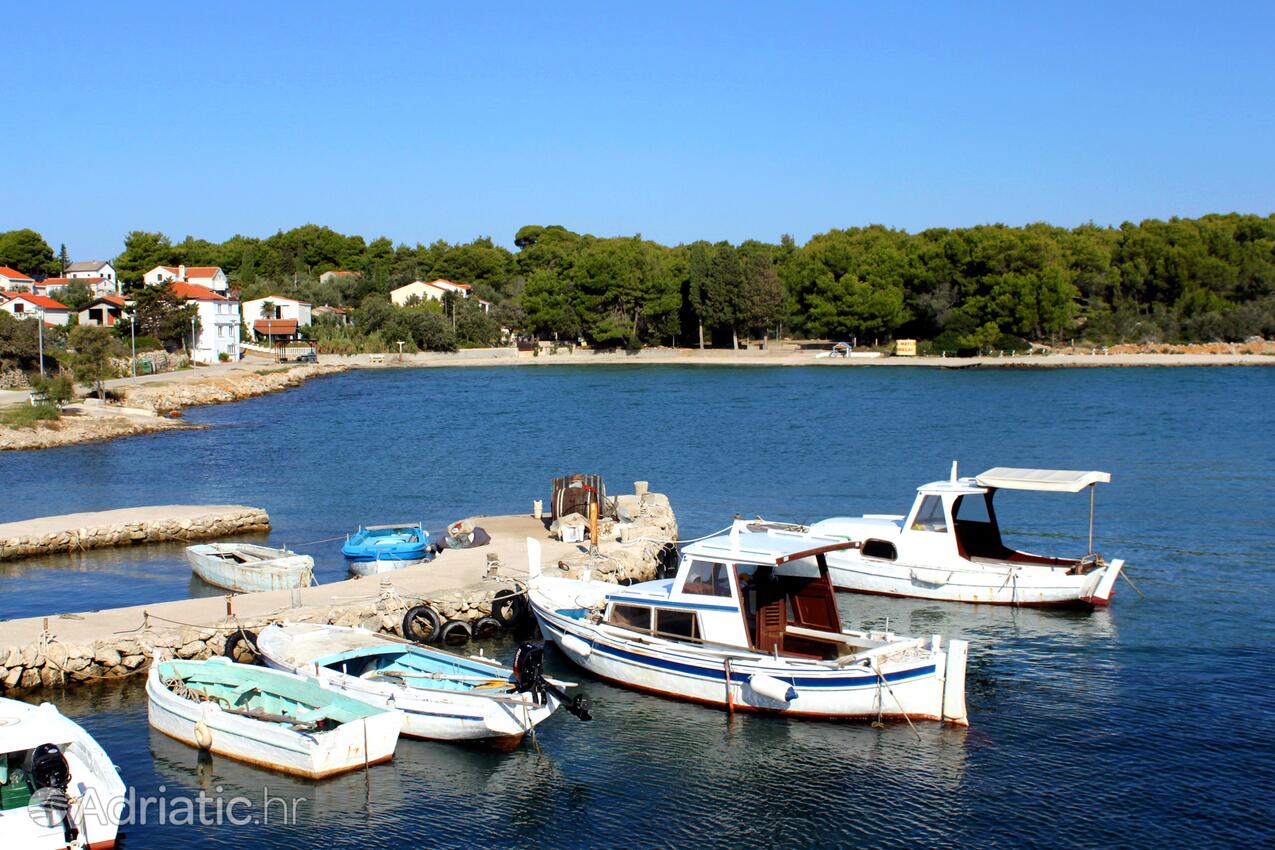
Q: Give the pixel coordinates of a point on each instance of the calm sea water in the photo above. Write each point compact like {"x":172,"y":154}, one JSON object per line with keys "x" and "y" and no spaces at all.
{"x":1145,"y":725}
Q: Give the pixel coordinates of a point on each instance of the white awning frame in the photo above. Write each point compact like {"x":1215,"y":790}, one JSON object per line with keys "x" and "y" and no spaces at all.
{"x":1042,"y":480}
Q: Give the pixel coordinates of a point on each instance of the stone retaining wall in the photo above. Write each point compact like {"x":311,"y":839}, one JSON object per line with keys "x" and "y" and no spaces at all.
{"x":50,"y":662}
{"x":228,"y":524}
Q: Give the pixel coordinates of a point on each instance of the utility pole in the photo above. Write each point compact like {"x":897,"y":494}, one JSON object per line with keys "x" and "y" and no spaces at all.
{"x":132,"y":334}
{"x":39,"y":317}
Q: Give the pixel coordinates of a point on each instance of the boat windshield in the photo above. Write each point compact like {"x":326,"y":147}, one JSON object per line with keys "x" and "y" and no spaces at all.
{"x":707,"y":578}
{"x":929,"y":517}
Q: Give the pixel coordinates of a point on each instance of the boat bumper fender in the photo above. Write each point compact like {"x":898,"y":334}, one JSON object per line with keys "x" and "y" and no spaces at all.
{"x":576,"y":646}
{"x":772,"y":688}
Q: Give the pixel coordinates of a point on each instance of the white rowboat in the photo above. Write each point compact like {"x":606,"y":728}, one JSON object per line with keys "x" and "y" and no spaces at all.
{"x":245,"y":567}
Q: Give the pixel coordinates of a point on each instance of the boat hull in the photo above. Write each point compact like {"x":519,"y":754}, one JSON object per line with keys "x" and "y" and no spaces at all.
{"x":930,"y":687}
{"x":375,"y":566}
{"x":1020,"y":585}
{"x":285,"y":573}
{"x":203,"y":725}
{"x":96,"y":792}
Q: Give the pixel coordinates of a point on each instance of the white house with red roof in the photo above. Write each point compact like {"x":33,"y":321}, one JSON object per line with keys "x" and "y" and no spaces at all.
{"x":13,"y":280}
{"x":104,"y":311}
{"x":434,"y":290}
{"x":24,"y":305}
{"x":339,"y":277}
{"x":218,"y":322}
{"x":276,"y":316}
{"x":209,"y":277}
{"x":97,"y":286}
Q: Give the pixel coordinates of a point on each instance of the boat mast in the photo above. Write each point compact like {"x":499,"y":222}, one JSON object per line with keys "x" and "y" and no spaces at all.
{"x":1091,"y":497}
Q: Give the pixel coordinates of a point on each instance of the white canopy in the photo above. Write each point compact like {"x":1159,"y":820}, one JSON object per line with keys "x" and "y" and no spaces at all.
{"x":1049,"y":480}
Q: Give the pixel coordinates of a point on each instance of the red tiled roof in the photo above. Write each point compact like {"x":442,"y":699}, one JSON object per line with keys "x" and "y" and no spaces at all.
{"x":450,"y":283}
{"x":274,"y":327}
{"x":202,"y":271}
{"x":344,"y":274}
{"x":67,"y":281}
{"x":117,"y":300}
{"x":194,"y":291}
{"x":12,"y":274}
{"x":38,"y":300}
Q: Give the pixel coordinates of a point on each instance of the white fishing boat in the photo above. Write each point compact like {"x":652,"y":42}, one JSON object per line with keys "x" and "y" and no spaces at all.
{"x":949,"y":546}
{"x":749,"y":622}
{"x":245,"y":567}
{"x":442,"y":696}
{"x":58,"y":788}
{"x":269,"y":718}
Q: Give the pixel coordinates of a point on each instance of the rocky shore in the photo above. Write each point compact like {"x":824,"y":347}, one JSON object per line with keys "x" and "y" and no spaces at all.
{"x":150,"y":407}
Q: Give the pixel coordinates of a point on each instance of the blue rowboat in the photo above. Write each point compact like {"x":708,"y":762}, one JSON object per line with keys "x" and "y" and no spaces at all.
{"x":382,"y":548}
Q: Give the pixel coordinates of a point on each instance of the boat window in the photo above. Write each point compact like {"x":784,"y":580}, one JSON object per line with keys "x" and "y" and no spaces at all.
{"x":636,"y":617}
{"x":879,"y":549}
{"x":930,"y":515}
{"x":706,"y":578}
{"x":676,"y":623}
{"x":971,"y":509}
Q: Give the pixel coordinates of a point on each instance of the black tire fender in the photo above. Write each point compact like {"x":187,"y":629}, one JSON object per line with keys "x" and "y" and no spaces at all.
{"x":507,"y":606}
{"x":421,"y":624}
{"x":487,"y":627}
{"x":456,"y":633}
{"x":241,"y":647}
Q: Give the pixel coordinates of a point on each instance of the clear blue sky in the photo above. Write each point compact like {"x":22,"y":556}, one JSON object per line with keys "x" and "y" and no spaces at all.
{"x":717,"y":121}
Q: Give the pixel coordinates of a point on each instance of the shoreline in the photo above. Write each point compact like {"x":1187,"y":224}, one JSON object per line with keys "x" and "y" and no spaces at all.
{"x":150,"y":397}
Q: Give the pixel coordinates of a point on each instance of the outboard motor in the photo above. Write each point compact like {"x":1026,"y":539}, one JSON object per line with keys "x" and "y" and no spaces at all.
{"x":50,"y":774}
{"x":529,"y":677}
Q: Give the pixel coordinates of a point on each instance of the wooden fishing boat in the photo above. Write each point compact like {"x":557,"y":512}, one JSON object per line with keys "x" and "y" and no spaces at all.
{"x":269,"y":718}
{"x":58,"y":788}
{"x":949,"y":546}
{"x":749,"y":622}
{"x":245,"y":567}
{"x":381,"y":548}
{"x":442,"y":696}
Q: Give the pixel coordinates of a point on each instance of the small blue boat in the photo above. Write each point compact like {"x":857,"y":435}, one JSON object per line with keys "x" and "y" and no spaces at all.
{"x":382,"y":548}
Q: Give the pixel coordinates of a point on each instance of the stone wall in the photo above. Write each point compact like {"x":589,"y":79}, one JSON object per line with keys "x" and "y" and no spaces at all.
{"x":51,"y":662}
{"x":227,"y":524}
{"x":634,"y":544}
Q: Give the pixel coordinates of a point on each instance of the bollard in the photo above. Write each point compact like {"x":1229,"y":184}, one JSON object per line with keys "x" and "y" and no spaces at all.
{"x":640,"y":488}
{"x":537,"y":508}
{"x":593,"y":522}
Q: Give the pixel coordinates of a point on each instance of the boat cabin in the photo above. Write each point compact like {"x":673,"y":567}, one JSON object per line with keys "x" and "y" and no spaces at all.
{"x":766,"y":590}
{"x":957,"y":518}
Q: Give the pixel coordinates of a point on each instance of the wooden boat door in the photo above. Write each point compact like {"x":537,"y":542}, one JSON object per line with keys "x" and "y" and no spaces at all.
{"x":772,"y":619}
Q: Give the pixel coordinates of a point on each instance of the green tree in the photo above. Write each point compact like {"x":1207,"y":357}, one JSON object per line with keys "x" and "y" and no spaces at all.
{"x":26,"y":251}
{"x":143,"y":251}
{"x":92,"y":348}
{"x":162,"y":315}
{"x":546,"y":303}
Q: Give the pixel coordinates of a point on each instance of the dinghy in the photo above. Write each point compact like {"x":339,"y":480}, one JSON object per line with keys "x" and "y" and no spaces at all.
{"x":442,"y":696}
{"x":244,"y":567}
{"x":381,"y":548}
{"x":749,"y":622}
{"x":58,"y":788}
{"x":949,"y":546}
{"x":268,"y":718}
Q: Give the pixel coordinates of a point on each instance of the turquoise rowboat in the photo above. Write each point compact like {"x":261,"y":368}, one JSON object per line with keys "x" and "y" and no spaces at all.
{"x":276,"y":720}
{"x":382,"y":548}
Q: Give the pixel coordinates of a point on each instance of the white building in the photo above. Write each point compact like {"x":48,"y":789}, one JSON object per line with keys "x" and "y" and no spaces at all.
{"x":282,"y":317}
{"x":97,"y":286}
{"x":97,"y":271}
{"x":218,"y":322}
{"x":209,"y":277}
{"x":24,"y":305}
{"x":339,"y":277}
{"x":12,"y":280}
{"x":104,"y":311}
{"x":434,"y":290}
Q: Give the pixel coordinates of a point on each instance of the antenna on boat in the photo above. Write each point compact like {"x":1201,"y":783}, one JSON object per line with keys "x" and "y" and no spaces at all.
{"x":953,"y":472}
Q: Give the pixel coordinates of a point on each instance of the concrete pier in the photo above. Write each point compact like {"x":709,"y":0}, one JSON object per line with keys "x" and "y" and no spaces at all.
{"x":65,"y":648}
{"x":127,"y":527}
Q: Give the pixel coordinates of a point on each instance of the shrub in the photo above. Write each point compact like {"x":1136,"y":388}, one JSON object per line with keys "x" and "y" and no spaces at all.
{"x":223,"y":357}
{"x":29,"y":416}
{"x":58,"y":390}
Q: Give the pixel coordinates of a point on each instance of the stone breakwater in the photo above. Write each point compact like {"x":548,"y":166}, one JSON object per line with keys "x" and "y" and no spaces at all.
{"x":126,"y":528}
{"x":231,"y":386}
{"x":83,"y":429}
{"x":52,"y":662}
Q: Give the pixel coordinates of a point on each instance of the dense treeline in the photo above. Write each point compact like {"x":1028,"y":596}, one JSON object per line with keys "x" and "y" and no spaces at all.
{"x":1178,"y":280}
